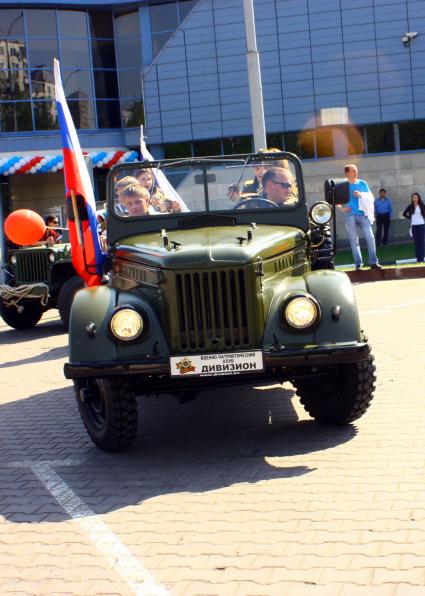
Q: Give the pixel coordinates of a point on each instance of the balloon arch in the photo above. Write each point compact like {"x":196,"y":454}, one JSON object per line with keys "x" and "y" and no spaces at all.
{"x":40,"y":164}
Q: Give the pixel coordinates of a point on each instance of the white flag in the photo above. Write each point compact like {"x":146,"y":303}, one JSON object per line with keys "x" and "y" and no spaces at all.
{"x":161,"y":179}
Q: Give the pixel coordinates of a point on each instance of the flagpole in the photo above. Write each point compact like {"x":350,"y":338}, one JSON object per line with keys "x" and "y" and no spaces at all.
{"x":76,"y":218}
{"x":254,"y":78}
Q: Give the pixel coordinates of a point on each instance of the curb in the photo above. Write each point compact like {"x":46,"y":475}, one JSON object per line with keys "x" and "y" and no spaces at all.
{"x":391,"y":272}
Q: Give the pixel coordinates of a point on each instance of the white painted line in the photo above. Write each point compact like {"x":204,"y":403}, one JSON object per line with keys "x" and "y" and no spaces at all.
{"x":120,"y":558}
{"x":385,"y":309}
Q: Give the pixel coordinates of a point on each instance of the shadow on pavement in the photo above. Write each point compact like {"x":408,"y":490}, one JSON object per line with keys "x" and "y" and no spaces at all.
{"x":52,"y":354}
{"x":217,"y":441}
{"x":46,"y":328}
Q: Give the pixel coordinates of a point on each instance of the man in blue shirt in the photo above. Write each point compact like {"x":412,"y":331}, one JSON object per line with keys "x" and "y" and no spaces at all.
{"x":383,"y":213}
{"x":356,"y":218}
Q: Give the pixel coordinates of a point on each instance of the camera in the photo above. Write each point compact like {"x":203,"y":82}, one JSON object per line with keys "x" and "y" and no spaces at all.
{"x":407,"y":37}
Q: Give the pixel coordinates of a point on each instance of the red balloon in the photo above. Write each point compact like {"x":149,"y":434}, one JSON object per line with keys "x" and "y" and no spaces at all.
{"x":24,"y":226}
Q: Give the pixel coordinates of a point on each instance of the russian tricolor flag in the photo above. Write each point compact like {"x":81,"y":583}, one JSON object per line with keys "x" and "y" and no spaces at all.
{"x":87,"y":256}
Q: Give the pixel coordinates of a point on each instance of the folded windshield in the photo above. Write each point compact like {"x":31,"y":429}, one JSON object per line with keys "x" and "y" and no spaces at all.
{"x":204,"y":185}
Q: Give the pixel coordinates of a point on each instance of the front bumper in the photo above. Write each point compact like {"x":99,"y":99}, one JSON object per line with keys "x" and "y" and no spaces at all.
{"x":276,"y":362}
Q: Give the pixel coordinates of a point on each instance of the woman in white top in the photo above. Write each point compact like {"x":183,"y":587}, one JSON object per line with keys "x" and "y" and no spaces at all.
{"x":415,"y":211}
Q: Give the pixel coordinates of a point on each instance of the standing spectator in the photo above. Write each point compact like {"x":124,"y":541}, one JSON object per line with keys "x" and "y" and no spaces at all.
{"x":415,"y":211}
{"x":356,"y":217}
{"x":383,"y":213}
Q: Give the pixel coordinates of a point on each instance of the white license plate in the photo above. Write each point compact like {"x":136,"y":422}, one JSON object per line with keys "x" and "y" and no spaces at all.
{"x":208,"y":365}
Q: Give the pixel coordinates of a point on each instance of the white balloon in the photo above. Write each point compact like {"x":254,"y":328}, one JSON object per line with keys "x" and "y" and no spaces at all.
{"x":33,"y":170}
{"x":54,"y":169}
{"x":38,"y":165}
{"x":12,"y":170}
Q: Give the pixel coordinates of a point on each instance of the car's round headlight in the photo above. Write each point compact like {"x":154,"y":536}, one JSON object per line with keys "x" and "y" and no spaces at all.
{"x":52,"y":257}
{"x":301,"y":312}
{"x":13,"y":260}
{"x":321,"y":213}
{"x":127,"y":324}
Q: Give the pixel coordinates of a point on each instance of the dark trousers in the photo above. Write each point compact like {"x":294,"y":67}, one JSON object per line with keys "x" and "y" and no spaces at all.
{"x":382,"y":225}
{"x":418,"y":233}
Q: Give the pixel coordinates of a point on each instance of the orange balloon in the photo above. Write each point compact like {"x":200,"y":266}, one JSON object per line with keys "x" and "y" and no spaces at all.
{"x":24,"y":226}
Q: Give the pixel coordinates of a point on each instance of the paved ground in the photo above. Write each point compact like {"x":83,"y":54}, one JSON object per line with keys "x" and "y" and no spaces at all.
{"x":235,"y":494}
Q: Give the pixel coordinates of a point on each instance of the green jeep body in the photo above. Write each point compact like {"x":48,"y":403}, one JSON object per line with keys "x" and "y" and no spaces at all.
{"x":39,"y":278}
{"x":213,"y":285}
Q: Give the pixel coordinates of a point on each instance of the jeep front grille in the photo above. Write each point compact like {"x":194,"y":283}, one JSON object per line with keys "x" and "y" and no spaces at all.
{"x":31,"y":267}
{"x":212,"y":311}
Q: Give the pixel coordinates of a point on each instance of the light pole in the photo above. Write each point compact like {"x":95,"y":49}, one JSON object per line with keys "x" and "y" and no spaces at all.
{"x":254,"y":78}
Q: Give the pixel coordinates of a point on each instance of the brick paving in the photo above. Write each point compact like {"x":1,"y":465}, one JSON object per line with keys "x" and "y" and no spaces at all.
{"x":214,"y":499}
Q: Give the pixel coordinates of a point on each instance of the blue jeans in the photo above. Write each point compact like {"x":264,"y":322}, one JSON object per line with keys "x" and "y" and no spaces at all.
{"x":352,"y":222}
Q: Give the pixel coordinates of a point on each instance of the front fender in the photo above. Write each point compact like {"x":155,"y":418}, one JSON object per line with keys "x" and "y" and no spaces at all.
{"x":95,"y":305}
{"x":330,"y":288}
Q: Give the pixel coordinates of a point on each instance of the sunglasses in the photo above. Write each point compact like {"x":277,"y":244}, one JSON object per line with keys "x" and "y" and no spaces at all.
{"x":285,"y":185}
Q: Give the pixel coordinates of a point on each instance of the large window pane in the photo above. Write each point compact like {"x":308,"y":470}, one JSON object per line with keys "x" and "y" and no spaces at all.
{"x":105,"y":83}
{"x":77,"y":83}
{"x":15,"y":117}
{"x":127,"y":25}
{"x":185,"y":6}
{"x":177,"y":150}
{"x":159,"y":40}
{"x":412,"y":135}
{"x":40,"y":22}
{"x":211,"y":147}
{"x":108,"y":114}
{"x":234,"y":145}
{"x":42,"y":52}
{"x":380,"y":138}
{"x":100,"y":22}
{"x":130,"y":83}
{"x":275,"y":141}
{"x":129,"y":52}
{"x":324,"y":143}
{"x":11,"y":22}
{"x":72,"y":23}
{"x":132,"y":112}
{"x":13,"y":53}
{"x":82,"y":113}
{"x":301,"y":143}
{"x":14,"y":84}
{"x":103,"y":52}
{"x":75,"y":52}
{"x":45,"y":115}
{"x":355,"y":140}
{"x":164,"y":17}
{"x":42,"y":84}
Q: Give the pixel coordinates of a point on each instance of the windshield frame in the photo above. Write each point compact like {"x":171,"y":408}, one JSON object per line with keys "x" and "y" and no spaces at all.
{"x":119,"y":227}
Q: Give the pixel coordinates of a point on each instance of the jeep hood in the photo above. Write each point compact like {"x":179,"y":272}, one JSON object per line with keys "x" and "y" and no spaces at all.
{"x":209,"y":247}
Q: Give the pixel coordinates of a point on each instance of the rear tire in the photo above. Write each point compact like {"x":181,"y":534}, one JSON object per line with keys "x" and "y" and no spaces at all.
{"x":28,"y":318}
{"x":66,"y":297}
{"x":343,"y":395}
{"x":108,"y":408}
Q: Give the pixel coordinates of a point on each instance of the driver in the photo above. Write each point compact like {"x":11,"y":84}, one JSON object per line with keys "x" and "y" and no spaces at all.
{"x":279,"y":186}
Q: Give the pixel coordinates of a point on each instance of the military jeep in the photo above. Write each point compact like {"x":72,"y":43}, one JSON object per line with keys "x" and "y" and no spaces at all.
{"x":39,"y":278}
{"x":217,"y":293}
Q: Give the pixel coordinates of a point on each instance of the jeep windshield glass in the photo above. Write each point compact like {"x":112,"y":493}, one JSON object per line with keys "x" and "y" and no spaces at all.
{"x":204,"y":185}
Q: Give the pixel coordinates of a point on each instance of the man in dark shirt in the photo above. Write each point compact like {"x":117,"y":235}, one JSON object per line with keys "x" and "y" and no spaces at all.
{"x":383,"y":213}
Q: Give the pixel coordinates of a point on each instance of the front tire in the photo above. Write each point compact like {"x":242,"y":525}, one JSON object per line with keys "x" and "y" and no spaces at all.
{"x":28,"y":318}
{"x":108,"y":408}
{"x":342,"y":395}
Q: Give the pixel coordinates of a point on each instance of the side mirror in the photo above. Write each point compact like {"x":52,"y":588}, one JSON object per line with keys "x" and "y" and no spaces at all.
{"x":337,"y":192}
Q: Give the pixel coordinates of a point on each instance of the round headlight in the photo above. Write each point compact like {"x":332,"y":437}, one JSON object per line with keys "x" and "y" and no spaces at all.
{"x":13,"y":260}
{"x":321,"y":213}
{"x":52,"y":257}
{"x":301,"y":312}
{"x":127,"y":324}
